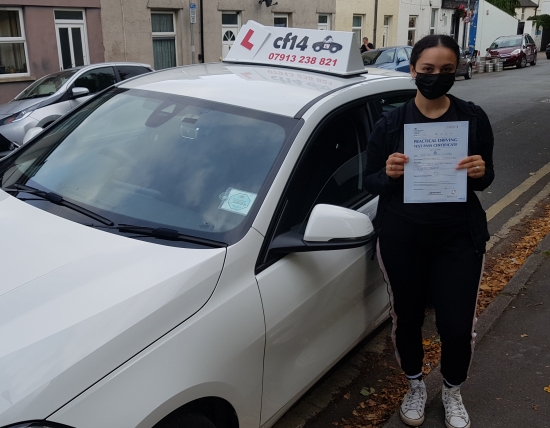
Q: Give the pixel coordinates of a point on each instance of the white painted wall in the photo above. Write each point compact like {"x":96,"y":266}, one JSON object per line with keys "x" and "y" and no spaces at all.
{"x":544,"y":7}
{"x":423,"y":10}
{"x":492,"y":23}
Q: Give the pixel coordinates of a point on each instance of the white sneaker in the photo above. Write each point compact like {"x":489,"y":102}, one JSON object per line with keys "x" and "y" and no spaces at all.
{"x":412,"y":408}
{"x":456,"y":415}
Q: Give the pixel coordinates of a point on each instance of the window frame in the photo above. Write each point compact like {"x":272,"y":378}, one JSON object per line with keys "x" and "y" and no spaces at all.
{"x":20,"y":39}
{"x":165,"y":35}
{"x":327,"y":24}
{"x":433,"y":20}
{"x":354,"y":28}
{"x":282,"y":15}
{"x":68,"y":22}
{"x":412,"y":29}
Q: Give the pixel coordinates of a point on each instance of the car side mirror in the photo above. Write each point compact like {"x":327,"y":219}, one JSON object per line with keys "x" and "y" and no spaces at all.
{"x":400,"y":60}
{"x":78,"y":92}
{"x":329,"y":228}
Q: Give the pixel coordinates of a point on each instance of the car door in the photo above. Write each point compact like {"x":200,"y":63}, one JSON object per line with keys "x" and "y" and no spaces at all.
{"x":402,"y":60}
{"x":318,"y":304}
{"x":95,"y":81}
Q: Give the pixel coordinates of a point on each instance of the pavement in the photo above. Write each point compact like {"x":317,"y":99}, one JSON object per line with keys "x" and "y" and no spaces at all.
{"x":511,"y":365}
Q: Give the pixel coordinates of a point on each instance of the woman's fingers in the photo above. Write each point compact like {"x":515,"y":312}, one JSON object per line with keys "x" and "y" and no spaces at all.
{"x":475,"y":166}
{"x":395,"y":164}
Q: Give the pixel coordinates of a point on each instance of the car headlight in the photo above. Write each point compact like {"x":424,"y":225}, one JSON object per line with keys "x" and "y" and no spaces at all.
{"x":515,"y":52}
{"x":17,"y":116}
{"x":38,"y":424}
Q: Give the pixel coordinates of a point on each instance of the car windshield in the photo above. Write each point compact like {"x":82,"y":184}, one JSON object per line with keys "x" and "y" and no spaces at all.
{"x":376,"y":57}
{"x":506,"y":42}
{"x":157,"y":160}
{"x":46,"y":86}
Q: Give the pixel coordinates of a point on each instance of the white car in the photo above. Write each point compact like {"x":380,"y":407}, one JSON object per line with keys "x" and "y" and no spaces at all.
{"x":192,"y":247}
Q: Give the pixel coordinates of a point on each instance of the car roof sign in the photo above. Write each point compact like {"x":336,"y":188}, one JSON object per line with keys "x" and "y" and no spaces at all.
{"x":332,"y":52}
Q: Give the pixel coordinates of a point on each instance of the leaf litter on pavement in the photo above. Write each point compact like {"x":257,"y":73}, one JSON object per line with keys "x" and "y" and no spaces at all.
{"x":380,"y":404}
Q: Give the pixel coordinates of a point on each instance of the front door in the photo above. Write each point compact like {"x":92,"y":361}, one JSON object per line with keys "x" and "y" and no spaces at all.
{"x":71,"y":45}
{"x":230,"y":29}
{"x":319,"y":304}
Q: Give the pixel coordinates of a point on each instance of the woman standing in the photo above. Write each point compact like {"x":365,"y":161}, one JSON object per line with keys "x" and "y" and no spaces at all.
{"x":431,"y":249}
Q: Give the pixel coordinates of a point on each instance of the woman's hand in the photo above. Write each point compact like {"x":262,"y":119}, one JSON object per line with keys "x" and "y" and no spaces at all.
{"x":395,"y":165}
{"x":475,"y":166}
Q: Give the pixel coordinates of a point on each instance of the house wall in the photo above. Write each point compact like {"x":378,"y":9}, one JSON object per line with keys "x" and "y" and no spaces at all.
{"x":492,"y":23}
{"x":127,"y":31}
{"x":43,"y":58}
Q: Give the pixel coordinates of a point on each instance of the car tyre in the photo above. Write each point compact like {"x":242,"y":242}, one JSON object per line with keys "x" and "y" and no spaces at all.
{"x":317,"y":48}
{"x":334,"y":49}
{"x":468,"y":74}
{"x":534,"y":62}
{"x":523,"y":62}
{"x":191,"y":420}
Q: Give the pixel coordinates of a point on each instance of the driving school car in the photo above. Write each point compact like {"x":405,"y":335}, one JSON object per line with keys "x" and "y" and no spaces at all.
{"x":192,"y":247}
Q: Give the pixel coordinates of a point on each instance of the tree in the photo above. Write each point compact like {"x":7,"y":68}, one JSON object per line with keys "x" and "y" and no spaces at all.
{"x":508,"y":6}
{"x":541,"y":20}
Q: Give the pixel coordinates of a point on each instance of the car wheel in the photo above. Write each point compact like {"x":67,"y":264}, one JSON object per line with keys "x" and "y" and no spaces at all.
{"x":192,"y":420}
{"x":317,"y":48}
{"x":523,"y":62}
{"x":334,"y":49}
{"x":547,"y":56}
{"x":534,"y":62}
{"x":468,"y":74}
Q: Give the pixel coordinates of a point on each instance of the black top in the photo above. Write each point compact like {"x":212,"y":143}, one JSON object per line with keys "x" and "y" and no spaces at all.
{"x":388,"y":134}
{"x":438,"y":213}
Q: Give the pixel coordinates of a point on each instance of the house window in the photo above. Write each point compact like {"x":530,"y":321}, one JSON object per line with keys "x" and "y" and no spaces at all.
{"x":323,"y":22}
{"x":164,"y":39}
{"x":357,"y":28}
{"x":230,"y":29}
{"x":280,"y":20}
{"x":522,"y":14}
{"x":411,"y":38}
{"x":386,"y":31}
{"x":70,"y":32}
{"x":13,"y":46}
{"x":433,"y":21}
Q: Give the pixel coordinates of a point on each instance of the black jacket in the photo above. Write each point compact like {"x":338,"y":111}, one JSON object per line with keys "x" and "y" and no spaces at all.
{"x":388,"y":135}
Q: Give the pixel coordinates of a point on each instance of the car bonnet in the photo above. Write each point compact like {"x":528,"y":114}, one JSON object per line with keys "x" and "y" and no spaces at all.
{"x":17,"y":106}
{"x":76,"y":302}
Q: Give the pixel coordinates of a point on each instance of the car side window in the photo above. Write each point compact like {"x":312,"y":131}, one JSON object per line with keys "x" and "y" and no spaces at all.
{"x":401,"y":55}
{"x":409,"y":50}
{"x":97,"y":79}
{"x":388,"y":102}
{"x":329,"y":172}
{"x":129,"y":71}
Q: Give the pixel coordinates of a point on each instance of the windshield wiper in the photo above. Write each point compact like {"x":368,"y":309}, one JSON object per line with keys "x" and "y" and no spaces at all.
{"x":164,"y":233}
{"x":54,"y":198}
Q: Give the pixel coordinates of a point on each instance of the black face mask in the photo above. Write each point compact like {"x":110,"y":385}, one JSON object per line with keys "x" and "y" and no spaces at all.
{"x":433,"y":86}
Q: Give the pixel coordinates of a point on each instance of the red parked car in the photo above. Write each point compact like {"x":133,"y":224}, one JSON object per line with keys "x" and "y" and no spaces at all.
{"x":515,"y":50}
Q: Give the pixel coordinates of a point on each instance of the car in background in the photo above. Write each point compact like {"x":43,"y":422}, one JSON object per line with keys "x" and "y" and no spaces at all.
{"x":464,"y":67}
{"x":50,"y":97}
{"x":517,"y":50}
{"x":548,"y":51}
{"x":398,"y":58}
{"x":390,"y":58}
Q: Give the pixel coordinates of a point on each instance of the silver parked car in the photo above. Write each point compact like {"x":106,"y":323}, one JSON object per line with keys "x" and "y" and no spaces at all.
{"x":50,"y":97}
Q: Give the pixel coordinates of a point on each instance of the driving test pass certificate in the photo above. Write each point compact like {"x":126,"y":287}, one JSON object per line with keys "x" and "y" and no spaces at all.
{"x":434,"y":150}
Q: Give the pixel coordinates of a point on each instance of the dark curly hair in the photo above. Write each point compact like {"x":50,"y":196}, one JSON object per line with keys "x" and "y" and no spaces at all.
{"x":432,"y":41}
